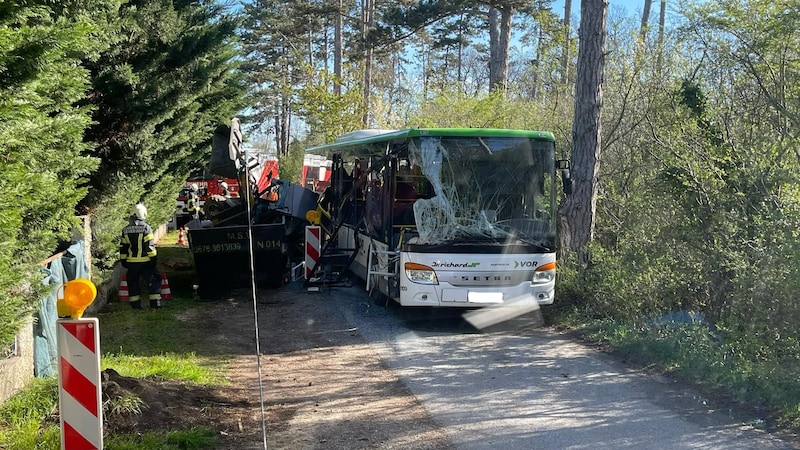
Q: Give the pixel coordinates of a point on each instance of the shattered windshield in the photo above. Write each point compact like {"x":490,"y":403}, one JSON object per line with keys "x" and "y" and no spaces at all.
{"x":492,"y":188}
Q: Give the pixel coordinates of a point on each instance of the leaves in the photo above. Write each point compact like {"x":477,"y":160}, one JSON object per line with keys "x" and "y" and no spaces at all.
{"x":158,"y":97}
{"x":102,"y":104}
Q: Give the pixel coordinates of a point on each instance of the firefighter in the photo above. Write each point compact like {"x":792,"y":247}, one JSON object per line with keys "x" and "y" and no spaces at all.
{"x":193,"y":202}
{"x":137,"y":252}
{"x":225,"y":192}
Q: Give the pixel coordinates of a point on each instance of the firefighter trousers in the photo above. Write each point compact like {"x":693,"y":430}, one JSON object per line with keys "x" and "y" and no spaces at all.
{"x":147,"y":272}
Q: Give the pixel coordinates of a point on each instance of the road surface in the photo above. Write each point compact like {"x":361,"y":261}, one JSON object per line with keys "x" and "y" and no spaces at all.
{"x":539,"y":389}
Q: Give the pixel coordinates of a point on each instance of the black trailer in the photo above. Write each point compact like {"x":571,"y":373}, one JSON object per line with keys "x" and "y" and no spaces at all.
{"x":222,"y":256}
{"x":221,"y":245}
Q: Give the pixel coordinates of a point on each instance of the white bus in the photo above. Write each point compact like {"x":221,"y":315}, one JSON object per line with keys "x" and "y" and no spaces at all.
{"x":444,"y":217}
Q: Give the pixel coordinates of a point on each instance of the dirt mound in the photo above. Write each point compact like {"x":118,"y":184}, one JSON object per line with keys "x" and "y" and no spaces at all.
{"x":135,"y":404}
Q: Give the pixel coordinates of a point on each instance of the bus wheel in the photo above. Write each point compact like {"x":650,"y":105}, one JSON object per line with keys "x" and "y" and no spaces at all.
{"x":381,"y":299}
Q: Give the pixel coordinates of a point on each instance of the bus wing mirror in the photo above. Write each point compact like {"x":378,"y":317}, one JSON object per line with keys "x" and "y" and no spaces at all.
{"x":566,"y":179}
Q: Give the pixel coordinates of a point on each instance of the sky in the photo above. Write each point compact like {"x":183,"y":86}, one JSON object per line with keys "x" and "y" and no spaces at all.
{"x":616,"y":8}
{"x":630,"y":6}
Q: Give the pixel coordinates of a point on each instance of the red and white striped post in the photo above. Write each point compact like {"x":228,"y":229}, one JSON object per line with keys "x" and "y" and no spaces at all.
{"x":79,"y":396}
{"x":80,"y":402}
{"x":312,"y":249}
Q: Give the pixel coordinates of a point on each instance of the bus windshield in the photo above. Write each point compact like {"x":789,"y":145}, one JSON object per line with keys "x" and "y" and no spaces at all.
{"x":485,"y":188}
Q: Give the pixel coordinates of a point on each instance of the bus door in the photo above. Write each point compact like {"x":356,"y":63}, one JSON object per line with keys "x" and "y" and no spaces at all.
{"x":378,"y":199}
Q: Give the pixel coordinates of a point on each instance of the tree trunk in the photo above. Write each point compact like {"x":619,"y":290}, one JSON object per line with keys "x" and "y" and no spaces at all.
{"x":494,"y":39}
{"x":536,"y":64}
{"x":499,"y":45}
{"x":459,"y":69}
{"x":577,"y":211}
{"x":505,"y":45}
{"x":645,"y":19}
{"x":566,"y":52}
{"x":278,"y":127}
{"x":337,"y":52}
{"x":367,"y":24}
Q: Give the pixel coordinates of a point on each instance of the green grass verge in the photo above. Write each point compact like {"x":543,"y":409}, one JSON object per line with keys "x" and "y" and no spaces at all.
{"x":706,"y":357}
{"x":196,"y":438}
{"x":141,"y":344}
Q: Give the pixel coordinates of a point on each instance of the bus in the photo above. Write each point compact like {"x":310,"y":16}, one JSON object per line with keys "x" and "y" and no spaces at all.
{"x":444,"y":217}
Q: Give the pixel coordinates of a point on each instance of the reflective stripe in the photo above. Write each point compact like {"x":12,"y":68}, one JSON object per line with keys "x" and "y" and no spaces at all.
{"x":137,"y":243}
{"x":138,"y":259}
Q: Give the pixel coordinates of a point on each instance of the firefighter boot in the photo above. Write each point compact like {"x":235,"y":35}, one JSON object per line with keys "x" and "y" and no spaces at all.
{"x":136,"y":304}
{"x":155,"y":304}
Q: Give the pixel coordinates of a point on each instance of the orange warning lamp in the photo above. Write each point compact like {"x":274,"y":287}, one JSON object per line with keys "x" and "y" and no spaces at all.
{"x":313,"y":216}
{"x":78,"y":294}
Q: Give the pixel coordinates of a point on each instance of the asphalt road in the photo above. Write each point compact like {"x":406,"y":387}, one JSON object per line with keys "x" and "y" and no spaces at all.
{"x":538,"y":389}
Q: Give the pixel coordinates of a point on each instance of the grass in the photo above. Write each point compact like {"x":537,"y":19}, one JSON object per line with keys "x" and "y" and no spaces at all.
{"x":696,"y":353}
{"x":139,"y":344}
{"x":196,"y":438}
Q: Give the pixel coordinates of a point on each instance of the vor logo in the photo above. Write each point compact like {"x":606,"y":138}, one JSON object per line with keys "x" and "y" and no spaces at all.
{"x":530,"y":264}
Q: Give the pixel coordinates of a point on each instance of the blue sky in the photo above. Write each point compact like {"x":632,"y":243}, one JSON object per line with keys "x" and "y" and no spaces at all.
{"x":630,"y":6}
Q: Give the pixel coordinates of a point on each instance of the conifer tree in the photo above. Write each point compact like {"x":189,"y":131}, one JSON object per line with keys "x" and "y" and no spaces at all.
{"x":158,"y":93}
{"x":41,"y":137}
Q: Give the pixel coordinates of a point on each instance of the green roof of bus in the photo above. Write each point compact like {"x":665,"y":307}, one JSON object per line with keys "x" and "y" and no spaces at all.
{"x":417,"y":132}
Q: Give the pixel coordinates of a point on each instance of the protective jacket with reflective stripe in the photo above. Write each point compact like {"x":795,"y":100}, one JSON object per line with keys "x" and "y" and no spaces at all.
{"x":137,"y":243}
{"x":193,"y":203}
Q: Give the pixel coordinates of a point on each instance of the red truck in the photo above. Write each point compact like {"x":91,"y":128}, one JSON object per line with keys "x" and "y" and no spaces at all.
{"x":210,"y":185}
{"x":206,"y":187}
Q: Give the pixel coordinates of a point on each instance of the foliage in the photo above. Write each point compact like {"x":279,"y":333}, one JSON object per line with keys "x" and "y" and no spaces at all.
{"x":197,"y":438}
{"x":158,"y":97}
{"x":292,"y":163}
{"x":451,"y":108}
{"x":698,"y":209}
{"x":327,"y":113}
{"x":103,"y":104}
{"x":22,"y":415}
{"x":41,"y":136}
{"x":26,"y":419}
{"x":274,"y":37}
{"x":687,"y":347}
{"x":174,"y":366}
{"x":37,"y":402}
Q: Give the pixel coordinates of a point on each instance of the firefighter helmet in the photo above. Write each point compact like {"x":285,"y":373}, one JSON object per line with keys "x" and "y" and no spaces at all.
{"x":140,"y":211}
{"x":224,"y":185}
{"x":195,"y":187}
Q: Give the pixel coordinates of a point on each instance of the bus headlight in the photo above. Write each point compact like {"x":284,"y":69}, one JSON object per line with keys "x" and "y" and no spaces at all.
{"x":544,"y":274}
{"x":420,"y":273}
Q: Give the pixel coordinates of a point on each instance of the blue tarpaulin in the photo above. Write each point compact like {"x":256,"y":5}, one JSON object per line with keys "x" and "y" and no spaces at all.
{"x":69,"y":266}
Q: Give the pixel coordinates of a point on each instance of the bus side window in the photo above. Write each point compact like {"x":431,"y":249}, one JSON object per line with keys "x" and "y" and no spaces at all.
{"x":358,"y":180}
{"x":373,"y":196}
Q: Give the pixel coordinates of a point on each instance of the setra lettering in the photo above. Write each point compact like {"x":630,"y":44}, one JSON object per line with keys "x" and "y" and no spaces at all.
{"x":486,"y":278}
